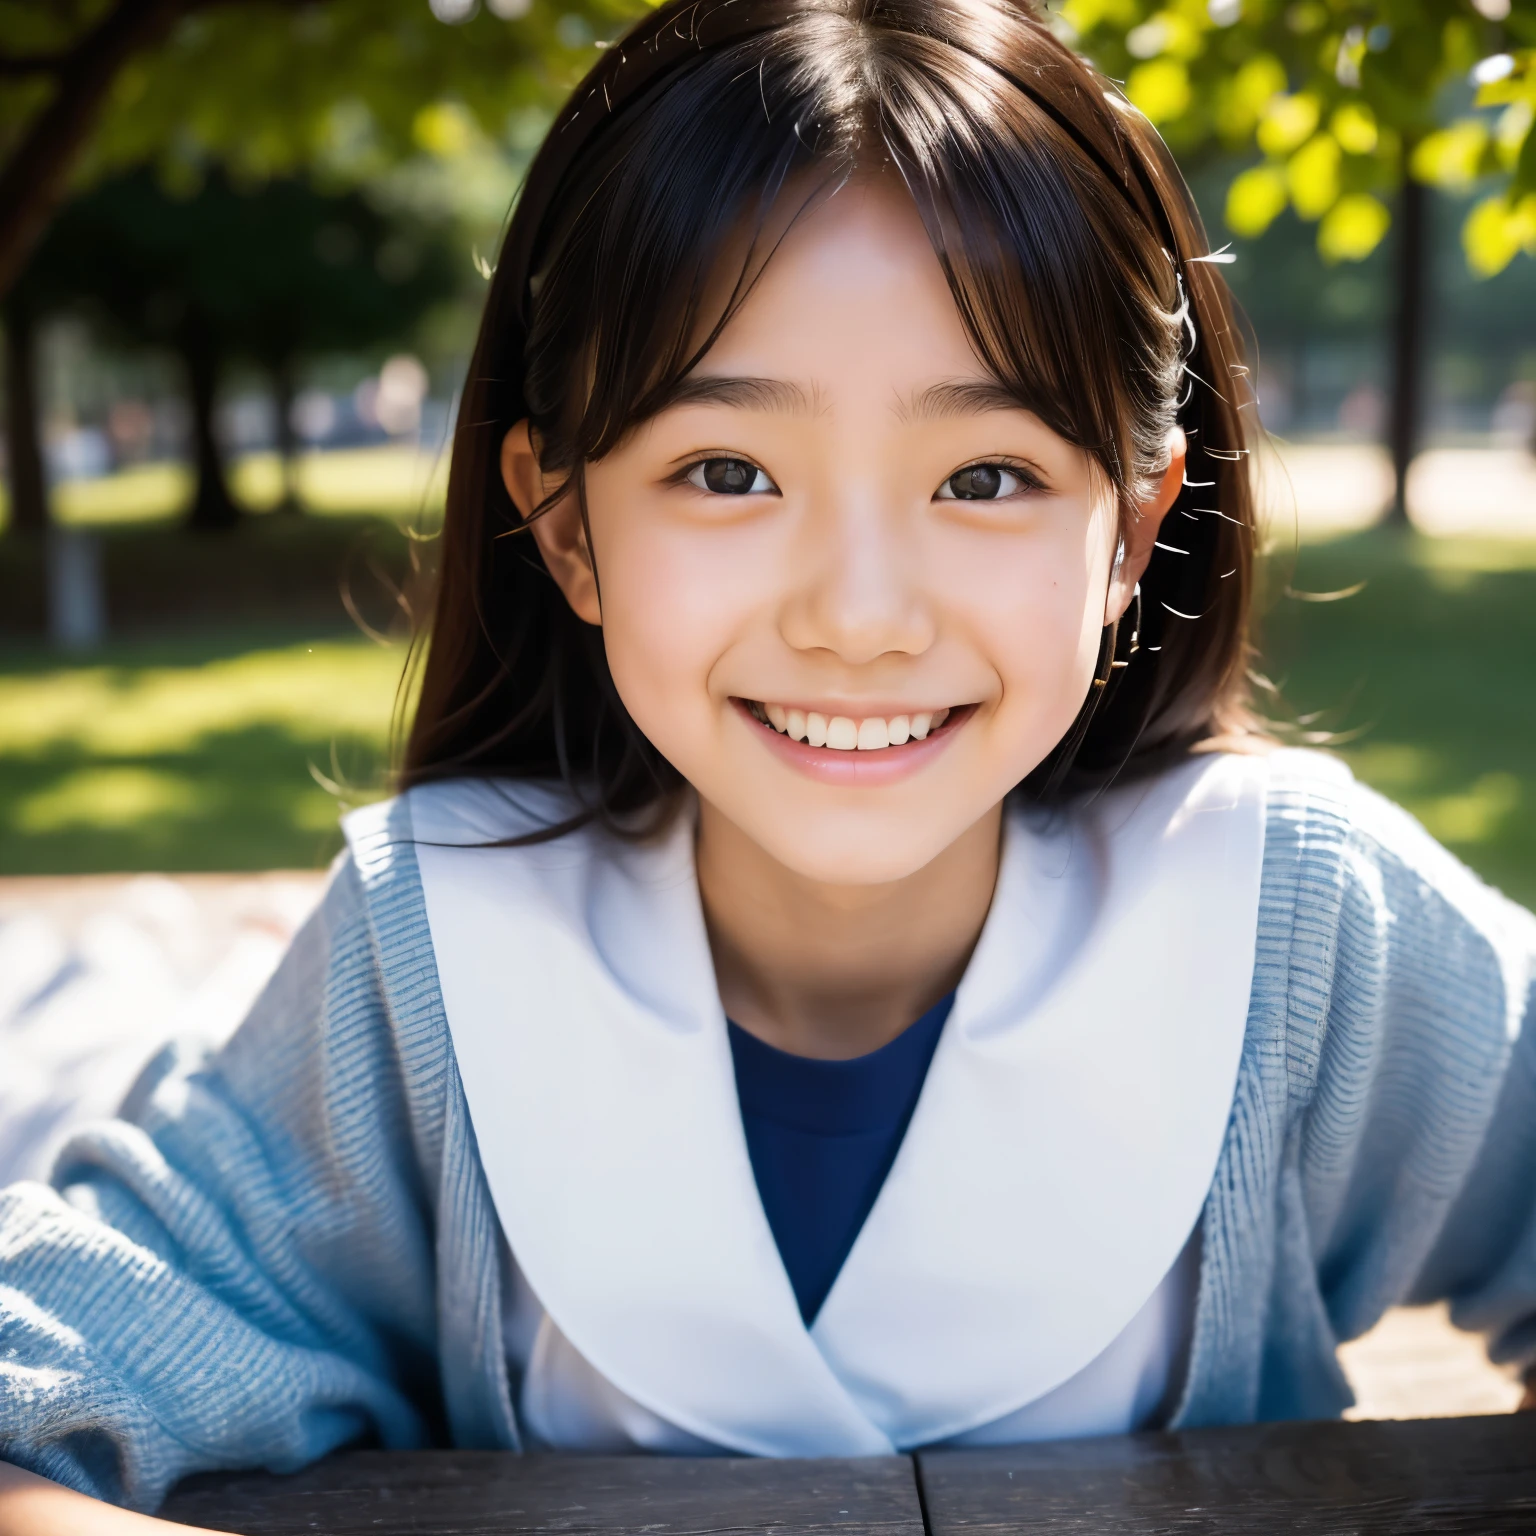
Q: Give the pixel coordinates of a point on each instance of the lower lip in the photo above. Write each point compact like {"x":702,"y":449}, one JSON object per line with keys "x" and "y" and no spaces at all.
{"x":884,"y":765}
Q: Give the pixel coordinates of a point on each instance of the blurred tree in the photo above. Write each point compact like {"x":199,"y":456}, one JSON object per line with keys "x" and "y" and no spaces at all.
{"x":44,"y":287}
{"x":28,"y":484}
{"x":1348,"y":102}
{"x":274,"y":274}
{"x":1340,"y":97}
{"x":264,"y":86}
{"x":322,"y":274}
{"x":24,"y":458}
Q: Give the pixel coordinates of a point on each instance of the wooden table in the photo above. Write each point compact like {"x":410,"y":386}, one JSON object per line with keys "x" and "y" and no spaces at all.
{"x":1426,"y":1476}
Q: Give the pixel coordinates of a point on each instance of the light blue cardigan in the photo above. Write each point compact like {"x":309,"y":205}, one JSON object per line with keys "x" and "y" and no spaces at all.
{"x":290,"y":1245}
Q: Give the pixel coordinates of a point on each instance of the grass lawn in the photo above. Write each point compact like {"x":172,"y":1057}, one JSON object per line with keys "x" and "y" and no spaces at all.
{"x":384,"y":481}
{"x":234,"y":752}
{"x":208,"y":753}
{"x":1428,"y":672}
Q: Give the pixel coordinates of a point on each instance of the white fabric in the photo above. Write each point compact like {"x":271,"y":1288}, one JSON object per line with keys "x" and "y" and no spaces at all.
{"x":1052,"y":1173}
{"x":98,"y":973}
{"x":567,"y":1404}
{"x":1127,"y":1386}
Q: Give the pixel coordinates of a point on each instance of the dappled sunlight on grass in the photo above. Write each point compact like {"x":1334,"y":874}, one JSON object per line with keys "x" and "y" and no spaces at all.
{"x":1476,"y":816}
{"x":309,"y":689}
{"x":384,"y":481}
{"x":140,"y":493}
{"x":1475,"y":554}
{"x":101,"y":798}
{"x":388,"y":480}
{"x":190,"y":754}
{"x":1462,"y":819}
{"x":1472,"y":557}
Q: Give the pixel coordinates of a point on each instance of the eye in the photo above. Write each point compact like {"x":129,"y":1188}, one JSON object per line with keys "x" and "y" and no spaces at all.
{"x":729,"y":477}
{"x":982,"y":482}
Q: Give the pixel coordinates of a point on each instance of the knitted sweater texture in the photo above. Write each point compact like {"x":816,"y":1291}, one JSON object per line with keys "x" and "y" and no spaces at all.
{"x":288,"y":1244}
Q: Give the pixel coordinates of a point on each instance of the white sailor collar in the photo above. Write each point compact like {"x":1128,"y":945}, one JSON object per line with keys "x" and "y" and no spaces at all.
{"x":1058,"y":1159}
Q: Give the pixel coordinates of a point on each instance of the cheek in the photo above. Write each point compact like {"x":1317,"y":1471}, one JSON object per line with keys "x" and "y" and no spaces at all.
{"x":1048,"y":644}
{"x":671,"y":606}
{"x":1037,"y":612}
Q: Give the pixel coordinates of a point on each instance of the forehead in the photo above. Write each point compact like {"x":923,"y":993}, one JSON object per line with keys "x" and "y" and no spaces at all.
{"x":852,"y":290}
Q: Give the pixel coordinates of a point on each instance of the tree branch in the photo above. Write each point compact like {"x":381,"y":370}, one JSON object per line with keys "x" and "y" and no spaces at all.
{"x":35,"y":176}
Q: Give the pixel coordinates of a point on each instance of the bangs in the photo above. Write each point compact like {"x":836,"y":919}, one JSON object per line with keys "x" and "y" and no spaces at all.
{"x":1070,"y":302}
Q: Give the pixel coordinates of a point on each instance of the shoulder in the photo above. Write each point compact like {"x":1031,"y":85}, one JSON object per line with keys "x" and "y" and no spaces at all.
{"x":1368,"y":925}
{"x":462,"y":811}
{"x":383,"y":838}
{"x":1326,"y":830}
{"x":506,"y":820}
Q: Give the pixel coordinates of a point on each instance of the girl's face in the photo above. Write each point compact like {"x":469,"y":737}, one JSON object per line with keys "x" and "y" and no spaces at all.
{"x":845,"y":533}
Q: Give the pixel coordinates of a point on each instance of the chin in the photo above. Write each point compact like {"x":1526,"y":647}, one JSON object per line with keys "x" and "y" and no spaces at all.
{"x":843,"y":849}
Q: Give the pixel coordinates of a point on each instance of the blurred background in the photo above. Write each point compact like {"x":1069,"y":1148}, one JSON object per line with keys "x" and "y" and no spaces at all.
{"x":242,"y":249}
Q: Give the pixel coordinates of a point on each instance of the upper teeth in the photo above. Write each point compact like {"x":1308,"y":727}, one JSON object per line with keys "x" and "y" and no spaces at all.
{"x":844,"y":733}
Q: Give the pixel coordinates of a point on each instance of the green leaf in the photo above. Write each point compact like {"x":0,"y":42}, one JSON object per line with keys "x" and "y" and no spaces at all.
{"x":1452,"y":158}
{"x":1083,"y":16}
{"x":1160,"y":88}
{"x":1496,"y":231}
{"x":1312,"y":176}
{"x":445,"y":129}
{"x":1512,"y":132}
{"x":1353,"y":124}
{"x":1287,"y":122}
{"x":1255,"y":200}
{"x":1353,"y":227}
{"x":1243,"y":98}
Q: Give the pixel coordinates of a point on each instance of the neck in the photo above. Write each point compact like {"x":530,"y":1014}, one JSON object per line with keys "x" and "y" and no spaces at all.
{"x":836,"y":971}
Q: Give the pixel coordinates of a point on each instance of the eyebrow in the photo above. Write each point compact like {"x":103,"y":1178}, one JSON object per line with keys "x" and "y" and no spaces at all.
{"x":751,"y":394}
{"x":959,"y":397}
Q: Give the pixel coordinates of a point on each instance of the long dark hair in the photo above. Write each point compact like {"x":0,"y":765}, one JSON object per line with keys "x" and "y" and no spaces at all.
{"x":1073,"y":251}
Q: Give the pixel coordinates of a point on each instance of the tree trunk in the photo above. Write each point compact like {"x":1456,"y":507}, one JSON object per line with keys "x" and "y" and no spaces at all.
{"x":212,"y":505}
{"x":1410,"y":329}
{"x":23,"y":438}
{"x":287,"y":439}
{"x":35,"y":174}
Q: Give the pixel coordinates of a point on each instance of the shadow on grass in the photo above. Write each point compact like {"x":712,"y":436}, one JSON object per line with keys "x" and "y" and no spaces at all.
{"x":238,"y":799}
{"x":169,"y":647}
{"x":299,"y":570}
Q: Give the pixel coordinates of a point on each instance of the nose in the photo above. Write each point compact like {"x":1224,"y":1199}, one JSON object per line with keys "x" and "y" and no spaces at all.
{"x":858,"y":592}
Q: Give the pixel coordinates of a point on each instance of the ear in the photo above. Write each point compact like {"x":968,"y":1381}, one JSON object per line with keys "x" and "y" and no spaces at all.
{"x":558,"y":532}
{"x":1141,"y":530}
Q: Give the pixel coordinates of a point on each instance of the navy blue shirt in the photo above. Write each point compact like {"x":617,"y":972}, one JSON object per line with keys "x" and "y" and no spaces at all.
{"x":822,"y":1136}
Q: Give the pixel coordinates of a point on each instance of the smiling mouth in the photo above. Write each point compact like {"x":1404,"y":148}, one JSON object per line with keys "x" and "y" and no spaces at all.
{"x":844,"y":733}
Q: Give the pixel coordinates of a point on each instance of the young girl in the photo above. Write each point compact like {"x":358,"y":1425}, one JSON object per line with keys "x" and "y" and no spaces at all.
{"x":844,"y":971}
